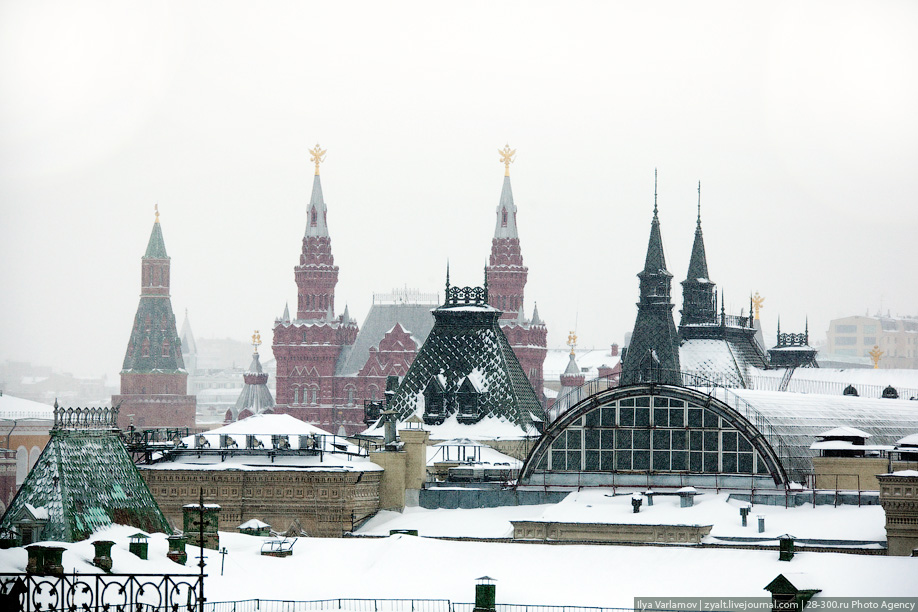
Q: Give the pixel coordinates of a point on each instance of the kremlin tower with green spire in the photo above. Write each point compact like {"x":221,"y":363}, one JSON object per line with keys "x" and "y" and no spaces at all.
{"x":154,"y":383}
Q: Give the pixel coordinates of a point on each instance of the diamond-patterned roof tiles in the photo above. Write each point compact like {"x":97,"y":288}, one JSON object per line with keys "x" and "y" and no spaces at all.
{"x":468,"y":341}
{"x":86,"y":481}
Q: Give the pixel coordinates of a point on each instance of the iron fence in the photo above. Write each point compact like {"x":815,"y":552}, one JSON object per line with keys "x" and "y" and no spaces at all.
{"x":103,"y":592}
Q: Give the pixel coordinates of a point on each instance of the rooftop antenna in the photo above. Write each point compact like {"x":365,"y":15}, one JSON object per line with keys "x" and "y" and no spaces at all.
{"x":654,"y":192}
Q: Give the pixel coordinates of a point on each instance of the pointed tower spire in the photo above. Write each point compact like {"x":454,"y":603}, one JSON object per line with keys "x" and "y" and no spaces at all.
{"x":655,"y":261}
{"x":506,"y":276}
{"x":156,"y":247}
{"x":654,"y":351}
{"x":536,"y":320}
{"x":286,"y":317}
{"x":698,"y":291}
{"x":506,"y":273}
{"x":316,"y":274}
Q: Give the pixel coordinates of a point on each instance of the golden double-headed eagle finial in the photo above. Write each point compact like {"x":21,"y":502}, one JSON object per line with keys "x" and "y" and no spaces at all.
{"x":506,"y":158}
{"x":156,"y":210}
{"x":757,"y":301}
{"x":572,"y":341}
{"x":256,"y":340}
{"x":317,"y":156}
{"x":875,"y":354}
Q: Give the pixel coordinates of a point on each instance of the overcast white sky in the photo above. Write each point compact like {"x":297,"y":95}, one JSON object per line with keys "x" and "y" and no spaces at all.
{"x":799,"y":119}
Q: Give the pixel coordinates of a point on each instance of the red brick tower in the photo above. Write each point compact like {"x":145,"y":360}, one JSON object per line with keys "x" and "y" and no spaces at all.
{"x":307,"y":348}
{"x":154,"y":383}
{"x":506,"y":276}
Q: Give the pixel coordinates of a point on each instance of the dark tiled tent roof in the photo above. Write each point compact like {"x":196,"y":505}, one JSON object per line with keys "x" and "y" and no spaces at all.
{"x":468,"y":340}
{"x":86,"y":481}
{"x":414,"y":318}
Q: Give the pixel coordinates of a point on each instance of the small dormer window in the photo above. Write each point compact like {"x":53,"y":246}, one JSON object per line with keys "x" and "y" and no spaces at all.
{"x":503,"y":218}
{"x":469,"y":399}
{"x":165,"y":348}
{"x":145,"y":348}
{"x":434,"y":402}
{"x":314,"y":218}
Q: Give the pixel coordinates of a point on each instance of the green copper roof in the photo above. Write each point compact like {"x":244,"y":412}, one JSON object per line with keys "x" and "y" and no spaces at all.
{"x":154,"y":343}
{"x":156,"y":248}
{"x":86,"y":481}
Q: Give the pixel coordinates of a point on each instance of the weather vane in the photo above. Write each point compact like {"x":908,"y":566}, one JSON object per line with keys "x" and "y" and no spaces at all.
{"x":757,"y":301}
{"x":256,"y":340}
{"x":506,"y":158}
{"x":317,"y":155}
{"x":875,"y":354}
{"x":572,"y":341}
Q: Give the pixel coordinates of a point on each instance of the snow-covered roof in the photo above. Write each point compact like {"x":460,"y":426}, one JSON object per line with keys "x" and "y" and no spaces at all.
{"x":443,"y":451}
{"x":488,"y":428}
{"x":19,"y":408}
{"x":909,"y":440}
{"x":791,"y":421}
{"x":847,"y":445}
{"x":326,"y":462}
{"x":689,"y":571}
{"x":268,"y":424}
{"x":725,"y":361}
{"x":847,"y":432}
{"x":869,"y":382}
{"x":253,"y":524}
{"x":588,"y":360}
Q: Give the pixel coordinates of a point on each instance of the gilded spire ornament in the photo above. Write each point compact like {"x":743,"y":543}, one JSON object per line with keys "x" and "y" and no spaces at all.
{"x":506,"y":158}
{"x":156,"y":210}
{"x":256,"y":340}
{"x":757,"y":301}
{"x":572,"y":341}
{"x":317,"y":155}
{"x":875,"y":354}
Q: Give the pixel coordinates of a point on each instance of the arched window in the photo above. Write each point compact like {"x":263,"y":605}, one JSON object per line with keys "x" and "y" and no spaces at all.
{"x":653,"y":434}
{"x":372,"y":391}
{"x":314,"y":395}
{"x":33,"y":456}
{"x":351,"y":392}
{"x":22,"y":464}
{"x":165,"y":348}
{"x":145,"y":348}
{"x":296,"y":395}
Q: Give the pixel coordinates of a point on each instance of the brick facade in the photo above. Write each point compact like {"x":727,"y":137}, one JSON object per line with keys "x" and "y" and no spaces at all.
{"x":318,"y":379}
{"x":324,"y":504}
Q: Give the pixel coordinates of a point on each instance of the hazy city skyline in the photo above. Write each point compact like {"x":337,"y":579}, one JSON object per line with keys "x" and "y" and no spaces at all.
{"x":797,"y":119}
